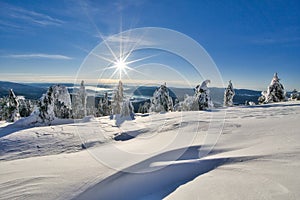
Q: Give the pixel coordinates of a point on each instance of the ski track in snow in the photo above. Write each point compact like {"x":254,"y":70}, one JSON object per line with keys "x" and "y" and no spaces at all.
{"x":256,"y":157}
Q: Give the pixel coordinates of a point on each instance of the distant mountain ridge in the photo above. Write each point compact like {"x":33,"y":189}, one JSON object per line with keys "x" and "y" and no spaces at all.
{"x":29,"y":92}
{"x":36,"y":90}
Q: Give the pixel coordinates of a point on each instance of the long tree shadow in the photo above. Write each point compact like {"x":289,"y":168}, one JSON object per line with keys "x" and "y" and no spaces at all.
{"x":156,"y":184}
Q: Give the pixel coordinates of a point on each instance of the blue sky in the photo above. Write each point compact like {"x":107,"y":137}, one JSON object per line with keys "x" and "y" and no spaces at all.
{"x":46,"y":41}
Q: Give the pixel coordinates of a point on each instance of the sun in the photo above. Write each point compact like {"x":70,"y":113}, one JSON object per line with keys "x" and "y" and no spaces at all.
{"x":120,"y":65}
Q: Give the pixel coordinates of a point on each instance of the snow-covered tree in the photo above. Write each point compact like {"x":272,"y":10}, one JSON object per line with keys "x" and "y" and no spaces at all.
{"x":12,"y":107}
{"x":161,"y":101}
{"x":190,"y":103}
{"x":200,"y":101}
{"x":176,"y":105}
{"x":228,"y":95}
{"x":103,"y":106}
{"x":295,"y":95}
{"x":275,"y":92}
{"x":55,"y":103}
{"x":25,"y":107}
{"x":3,"y":106}
{"x":127,"y":109}
{"x":203,"y":96}
{"x":45,"y":110}
{"x":62,"y":102}
{"x":144,"y":108}
{"x":122,"y":108}
{"x":117,"y":99}
{"x":262,"y":98}
{"x":79,"y":102}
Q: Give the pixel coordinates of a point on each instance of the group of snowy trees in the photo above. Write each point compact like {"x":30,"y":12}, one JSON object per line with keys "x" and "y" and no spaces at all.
{"x":274,"y":93}
{"x":163,"y":102}
{"x":14,"y":107}
{"x":201,"y":99}
{"x":10,"y":107}
{"x":57,"y":102}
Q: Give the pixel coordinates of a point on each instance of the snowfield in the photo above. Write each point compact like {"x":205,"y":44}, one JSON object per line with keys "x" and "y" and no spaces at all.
{"x":156,"y":156}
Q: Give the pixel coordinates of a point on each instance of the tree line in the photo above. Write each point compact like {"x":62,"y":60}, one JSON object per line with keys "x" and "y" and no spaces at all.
{"x":58,"y":103}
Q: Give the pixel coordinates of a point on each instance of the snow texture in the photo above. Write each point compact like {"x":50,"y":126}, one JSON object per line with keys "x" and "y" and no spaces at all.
{"x":58,"y":161}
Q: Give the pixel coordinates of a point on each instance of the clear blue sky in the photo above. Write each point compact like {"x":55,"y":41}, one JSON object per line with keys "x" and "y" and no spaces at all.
{"x":248,"y":40}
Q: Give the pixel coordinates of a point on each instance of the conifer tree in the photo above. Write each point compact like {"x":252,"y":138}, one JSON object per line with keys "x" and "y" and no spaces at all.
{"x":46,"y":107}
{"x":25,"y":107}
{"x":117,"y":99}
{"x":79,"y":103}
{"x":203,"y":96}
{"x":161,"y":101}
{"x":12,"y":107}
{"x":228,"y":95}
{"x":295,"y":95}
{"x":275,"y":92}
{"x":62,"y":102}
{"x":103,"y":106}
{"x":144,"y":108}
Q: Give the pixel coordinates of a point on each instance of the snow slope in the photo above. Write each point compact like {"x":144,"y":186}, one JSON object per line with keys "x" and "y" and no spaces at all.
{"x":156,"y":156}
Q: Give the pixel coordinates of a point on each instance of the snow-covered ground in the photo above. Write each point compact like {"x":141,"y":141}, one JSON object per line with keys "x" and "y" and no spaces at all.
{"x":156,"y":156}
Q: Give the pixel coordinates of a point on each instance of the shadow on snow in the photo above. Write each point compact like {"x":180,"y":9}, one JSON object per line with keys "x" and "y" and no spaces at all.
{"x":157,"y":184}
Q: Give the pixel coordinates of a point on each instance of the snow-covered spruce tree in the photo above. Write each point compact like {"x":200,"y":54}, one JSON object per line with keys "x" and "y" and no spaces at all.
{"x":161,"y":101}
{"x":45,"y":110}
{"x":121,"y":107}
{"x":275,"y":92}
{"x":262,"y":98}
{"x":144,"y":108}
{"x":127,"y":109}
{"x":203,"y":96}
{"x":103,"y":106}
{"x":3,"y":105}
{"x":177,"y":105}
{"x":117,"y":101}
{"x":62,"y":102}
{"x":190,"y":103}
{"x":228,"y":95}
{"x":200,"y":101}
{"x":12,"y":107}
{"x":79,"y":102}
{"x":295,"y":95}
{"x":140,"y":109}
{"x":25,"y":107}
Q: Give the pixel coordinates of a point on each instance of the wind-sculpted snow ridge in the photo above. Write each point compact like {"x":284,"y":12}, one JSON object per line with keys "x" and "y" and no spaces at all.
{"x":256,"y":157}
{"x":18,"y":141}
